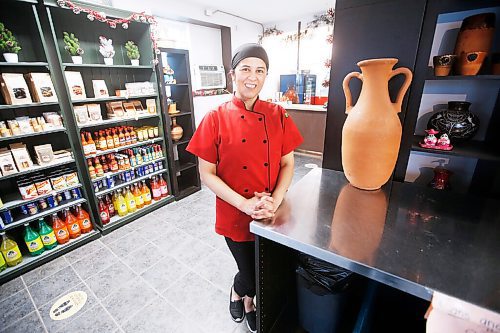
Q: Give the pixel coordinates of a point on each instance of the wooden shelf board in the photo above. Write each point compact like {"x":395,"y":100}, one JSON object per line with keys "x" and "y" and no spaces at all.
{"x":474,"y":149}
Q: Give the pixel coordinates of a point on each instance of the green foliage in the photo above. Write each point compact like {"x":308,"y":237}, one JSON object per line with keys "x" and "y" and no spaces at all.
{"x":8,"y":42}
{"x":132,"y":50}
{"x":72,"y":44}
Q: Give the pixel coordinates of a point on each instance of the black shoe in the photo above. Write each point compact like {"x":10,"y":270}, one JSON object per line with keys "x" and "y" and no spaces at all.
{"x":236,"y":308}
{"x":252,"y":321}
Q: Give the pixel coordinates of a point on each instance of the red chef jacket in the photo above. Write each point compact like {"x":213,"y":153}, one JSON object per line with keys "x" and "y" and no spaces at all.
{"x":247,"y":147}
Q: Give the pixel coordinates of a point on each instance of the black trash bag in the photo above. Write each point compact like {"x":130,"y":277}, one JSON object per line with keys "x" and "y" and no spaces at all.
{"x":322,"y":277}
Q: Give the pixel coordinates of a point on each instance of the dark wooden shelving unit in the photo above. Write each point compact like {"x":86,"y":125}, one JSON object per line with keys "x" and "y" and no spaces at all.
{"x":184,"y":173}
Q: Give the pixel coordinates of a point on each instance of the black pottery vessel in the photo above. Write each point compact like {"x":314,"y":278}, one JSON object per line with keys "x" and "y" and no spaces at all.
{"x":456,"y":121}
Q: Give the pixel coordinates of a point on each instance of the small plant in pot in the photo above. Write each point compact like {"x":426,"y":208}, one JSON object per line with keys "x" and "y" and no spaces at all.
{"x":73,"y":47}
{"x":8,"y":44}
{"x":133,"y":53}
{"x":106,"y":49}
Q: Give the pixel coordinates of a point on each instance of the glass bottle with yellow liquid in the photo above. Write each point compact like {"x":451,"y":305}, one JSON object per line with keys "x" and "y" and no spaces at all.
{"x":146,"y":193}
{"x":10,"y":251}
{"x":139,"y":201}
{"x":120,"y":204}
{"x":3,"y":264}
{"x":130,"y":200}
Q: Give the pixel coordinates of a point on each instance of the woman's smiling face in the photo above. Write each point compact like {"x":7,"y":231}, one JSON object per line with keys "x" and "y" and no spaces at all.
{"x":249,"y":77}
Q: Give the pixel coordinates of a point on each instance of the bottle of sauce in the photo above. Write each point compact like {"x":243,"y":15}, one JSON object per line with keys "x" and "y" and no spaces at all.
{"x":33,"y":241}
{"x":111,"y":207}
{"x":146,"y":193}
{"x":163,"y":187}
{"x":72,"y":224}
{"x":83,"y":219}
{"x":60,"y":229}
{"x":91,"y":144}
{"x":92,"y":172}
{"x":98,"y":167}
{"x":103,"y":211}
{"x":10,"y":251}
{"x":105,"y":167}
{"x":47,"y":235}
{"x":116,"y":139}
{"x":85,"y":146}
{"x":109,"y":140}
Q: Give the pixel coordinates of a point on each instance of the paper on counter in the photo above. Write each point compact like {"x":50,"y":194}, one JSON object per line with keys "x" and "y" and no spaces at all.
{"x":450,"y":314}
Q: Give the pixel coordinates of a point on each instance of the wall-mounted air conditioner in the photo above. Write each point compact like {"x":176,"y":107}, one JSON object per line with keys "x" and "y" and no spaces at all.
{"x":209,"y":77}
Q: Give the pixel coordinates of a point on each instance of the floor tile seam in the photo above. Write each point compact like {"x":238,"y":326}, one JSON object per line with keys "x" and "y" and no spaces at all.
{"x":17,"y":292}
{"x":34,"y":305}
{"x":64,"y":258}
{"x":95,"y":273}
{"x":97,"y":299}
{"x":174,"y":281}
{"x":76,"y":316}
{"x":186,"y":318}
{"x":210,"y":282}
{"x":62,"y":292}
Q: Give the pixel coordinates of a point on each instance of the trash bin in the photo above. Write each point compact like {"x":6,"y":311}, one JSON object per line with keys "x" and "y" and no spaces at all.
{"x":324,"y":294}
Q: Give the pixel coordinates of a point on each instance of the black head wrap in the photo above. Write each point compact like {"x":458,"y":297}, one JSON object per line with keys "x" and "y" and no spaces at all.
{"x":248,"y":51}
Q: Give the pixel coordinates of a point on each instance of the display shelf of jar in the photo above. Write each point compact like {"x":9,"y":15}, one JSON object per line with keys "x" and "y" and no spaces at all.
{"x":69,"y":65}
{"x":116,"y":173}
{"x":112,"y":98}
{"x":116,"y":221}
{"x":179,"y":114}
{"x":117,"y":120}
{"x":430,"y":76}
{"x":14,"y":200}
{"x":39,"y":167}
{"x":183,"y":166}
{"x":187,"y":191}
{"x":475,"y":149}
{"x":27,"y":135}
{"x":24,"y":64}
{"x":45,"y":212}
{"x":123,"y":184}
{"x":30,"y":105}
{"x":30,"y":262}
{"x":133,"y":145}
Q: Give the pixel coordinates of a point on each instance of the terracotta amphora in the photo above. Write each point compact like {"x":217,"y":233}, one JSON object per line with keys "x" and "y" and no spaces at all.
{"x":372,"y":131}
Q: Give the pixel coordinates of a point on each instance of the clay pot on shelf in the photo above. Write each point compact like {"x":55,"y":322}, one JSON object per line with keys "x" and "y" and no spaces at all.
{"x":443,"y":64}
{"x":372,"y":131}
{"x":11,"y":57}
{"x":457,"y":121}
{"x":470,"y":63}
{"x":77,"y":60}
{"x":476,"y":34}
{"x":176,"y":131}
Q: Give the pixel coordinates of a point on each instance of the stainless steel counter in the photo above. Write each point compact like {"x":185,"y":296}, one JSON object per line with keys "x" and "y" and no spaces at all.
{"x":416,"y":239}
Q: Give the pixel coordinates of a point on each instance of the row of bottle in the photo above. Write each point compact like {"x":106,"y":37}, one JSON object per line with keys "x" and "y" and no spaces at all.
{"x":115,"y":137}
{"x":132,"y":198}
{"x":129,"y":158}
{"x":69,"y":225}
{"x":112,"y":180}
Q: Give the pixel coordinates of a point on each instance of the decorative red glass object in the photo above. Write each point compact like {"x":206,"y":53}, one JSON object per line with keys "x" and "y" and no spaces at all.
{"x":432,"y":142}
{"x":441,"y":179}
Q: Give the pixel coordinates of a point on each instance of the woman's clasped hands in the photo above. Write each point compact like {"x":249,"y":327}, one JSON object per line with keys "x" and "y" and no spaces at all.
{"x":260,"y":206}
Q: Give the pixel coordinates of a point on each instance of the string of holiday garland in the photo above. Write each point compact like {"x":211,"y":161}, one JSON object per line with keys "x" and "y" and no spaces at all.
{"x":113,"y":23}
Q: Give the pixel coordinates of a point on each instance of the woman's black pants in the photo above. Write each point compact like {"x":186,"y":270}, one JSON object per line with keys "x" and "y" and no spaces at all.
{"x":244,"y":254}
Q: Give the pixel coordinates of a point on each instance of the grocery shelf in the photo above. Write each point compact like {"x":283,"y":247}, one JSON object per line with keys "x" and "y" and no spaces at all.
{"x":38,"y":168}
{"x":69,"y":64}
{"x":184,"y":166}
{"x":117,"y":221}
{"x":133,"y":145}
{"x":31,"y":105}
{"x":118,"y":120}
{"x":108,"y":174}
{"x":24,"y":64}
{"x":14,"y":200}
{"x":181,"y":142}
{"x":45,"y":212}
{"x":118,"y":186}
{"x":30,"y":262}
{"x":27,"y":135}
{"x":111,"y":98}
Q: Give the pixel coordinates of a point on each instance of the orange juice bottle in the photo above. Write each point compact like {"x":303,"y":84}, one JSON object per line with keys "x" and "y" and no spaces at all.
{"x":83,"y":219}
{"x":146,"y":193}
{"x":72,"y":224}
{"x":60,"y":229}
{"x":130,"y":200}
{"x":139,"y":201}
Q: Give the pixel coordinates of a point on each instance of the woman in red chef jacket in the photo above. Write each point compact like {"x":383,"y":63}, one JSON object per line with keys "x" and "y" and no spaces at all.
{"x":245,"y":148}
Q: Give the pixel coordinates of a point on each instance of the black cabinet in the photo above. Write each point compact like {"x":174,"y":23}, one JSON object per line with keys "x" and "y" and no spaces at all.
{"x":177,"y":106}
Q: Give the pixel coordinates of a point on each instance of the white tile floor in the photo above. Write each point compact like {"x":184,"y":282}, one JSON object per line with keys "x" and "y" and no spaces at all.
{"x":166,"y":272}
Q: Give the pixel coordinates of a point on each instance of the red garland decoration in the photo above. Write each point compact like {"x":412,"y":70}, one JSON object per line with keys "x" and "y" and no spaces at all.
{"x":113,"y":23}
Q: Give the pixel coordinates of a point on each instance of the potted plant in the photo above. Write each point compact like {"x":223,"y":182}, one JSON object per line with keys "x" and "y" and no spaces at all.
{"x":73,"y":47}
{"x":8,"y":44}
{"x":133,"y":53}
{"x":106,"y":49}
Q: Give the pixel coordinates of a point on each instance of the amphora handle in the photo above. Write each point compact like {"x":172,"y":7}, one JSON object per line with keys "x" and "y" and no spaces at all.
{"x":347,"y":91}
{"x":408,"y":76}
